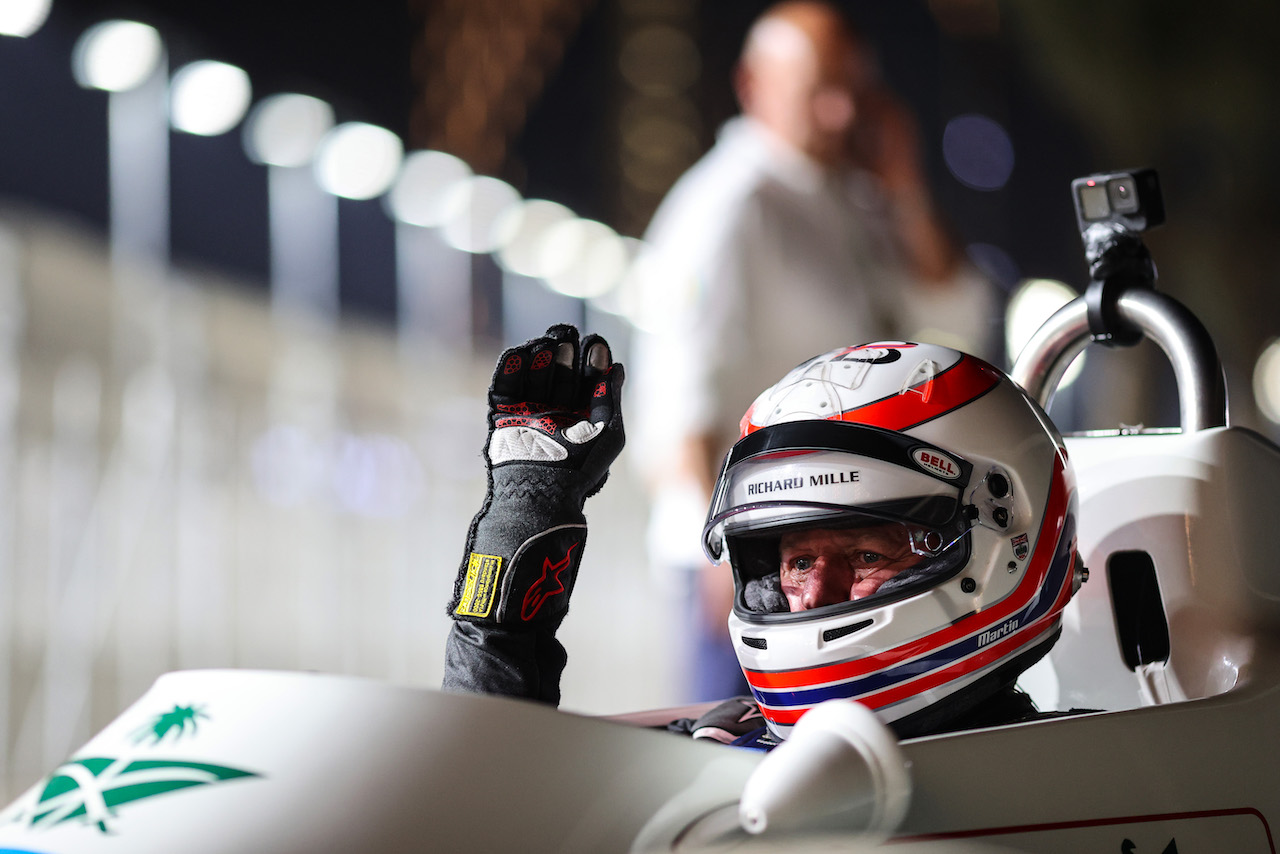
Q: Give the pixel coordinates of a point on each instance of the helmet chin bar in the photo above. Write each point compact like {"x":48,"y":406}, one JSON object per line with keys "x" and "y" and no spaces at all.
{"x":934,"y":719}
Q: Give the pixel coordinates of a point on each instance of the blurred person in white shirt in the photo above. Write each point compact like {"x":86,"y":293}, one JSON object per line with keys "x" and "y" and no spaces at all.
{"x":808,"y":224}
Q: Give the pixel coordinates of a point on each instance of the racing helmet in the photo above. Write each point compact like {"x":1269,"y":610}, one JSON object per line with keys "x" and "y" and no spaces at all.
{"x":951,"y":490}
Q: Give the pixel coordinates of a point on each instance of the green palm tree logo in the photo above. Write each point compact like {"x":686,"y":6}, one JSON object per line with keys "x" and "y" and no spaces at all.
{"x":90,"y":789}
{"x":176,"y":721}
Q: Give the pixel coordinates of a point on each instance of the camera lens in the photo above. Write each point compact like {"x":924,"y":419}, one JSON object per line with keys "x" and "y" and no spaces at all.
{"x":1093,"y":202}
{"x":1123,"y":194}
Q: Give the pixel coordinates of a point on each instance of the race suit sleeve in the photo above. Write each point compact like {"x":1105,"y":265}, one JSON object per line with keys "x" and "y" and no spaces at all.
{"x":555,"y":426}
{"x":491,"y":660}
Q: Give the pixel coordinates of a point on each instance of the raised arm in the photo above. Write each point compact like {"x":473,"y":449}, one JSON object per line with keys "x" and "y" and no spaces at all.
{"x":555,"y":426}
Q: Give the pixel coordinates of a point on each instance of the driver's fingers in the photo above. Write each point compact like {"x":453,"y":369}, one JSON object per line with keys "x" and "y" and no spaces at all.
{"x":562,"y":379}
{"x":597,"y":365}
{"x":596,"y":357}
{"x":508,"y":378}
{"x":538,"y":376}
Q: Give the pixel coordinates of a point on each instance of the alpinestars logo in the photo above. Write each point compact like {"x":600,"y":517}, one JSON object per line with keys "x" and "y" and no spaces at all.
{"x":548,"y":584}
{"x":90,"y":790}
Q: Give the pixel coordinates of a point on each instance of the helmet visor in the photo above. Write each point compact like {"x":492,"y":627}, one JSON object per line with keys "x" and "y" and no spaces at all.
{"x":836,"y":506}
{"x":807,"y":472}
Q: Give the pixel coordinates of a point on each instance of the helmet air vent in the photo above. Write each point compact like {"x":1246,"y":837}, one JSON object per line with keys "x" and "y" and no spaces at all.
{"x":835,"y":634}
{"x":755,"y":643}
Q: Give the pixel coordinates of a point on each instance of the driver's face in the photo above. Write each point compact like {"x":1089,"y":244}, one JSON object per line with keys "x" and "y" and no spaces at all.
{"x":828,"y":566}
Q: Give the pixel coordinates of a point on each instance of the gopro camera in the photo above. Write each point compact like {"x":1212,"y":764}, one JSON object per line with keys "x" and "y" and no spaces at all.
{"x":1129,"y":201}
{"x":1113,"y":209}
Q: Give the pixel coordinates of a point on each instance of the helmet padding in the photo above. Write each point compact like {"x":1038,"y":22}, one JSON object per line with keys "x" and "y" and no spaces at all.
{"x":764,"y":595}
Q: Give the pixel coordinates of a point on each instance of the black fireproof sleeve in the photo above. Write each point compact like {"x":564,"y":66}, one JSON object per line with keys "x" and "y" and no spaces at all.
{"x":482,"y":659}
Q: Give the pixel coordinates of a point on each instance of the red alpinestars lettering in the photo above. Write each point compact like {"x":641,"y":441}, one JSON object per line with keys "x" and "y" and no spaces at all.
{"x":537,"y":595}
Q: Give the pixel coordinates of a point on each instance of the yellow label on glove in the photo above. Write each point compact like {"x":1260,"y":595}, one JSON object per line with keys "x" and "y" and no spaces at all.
{"x":481,"y":585}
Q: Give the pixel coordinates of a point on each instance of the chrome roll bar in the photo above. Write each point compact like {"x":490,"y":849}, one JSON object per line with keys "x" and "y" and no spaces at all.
{"x":1202,"y":396}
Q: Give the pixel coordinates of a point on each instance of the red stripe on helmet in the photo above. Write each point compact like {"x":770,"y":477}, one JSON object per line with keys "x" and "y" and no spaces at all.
{"x":965,"y":667}
{"x":965,"y":381}
{"x":1029,"y":587}
{"x":744,"y":423}
{"x":785,"y":717}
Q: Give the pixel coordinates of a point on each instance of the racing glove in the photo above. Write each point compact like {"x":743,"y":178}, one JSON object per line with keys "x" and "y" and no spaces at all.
{"x":555,"y":426}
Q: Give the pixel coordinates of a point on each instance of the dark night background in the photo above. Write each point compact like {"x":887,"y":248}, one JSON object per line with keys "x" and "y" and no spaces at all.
{"x":1080,"y":87}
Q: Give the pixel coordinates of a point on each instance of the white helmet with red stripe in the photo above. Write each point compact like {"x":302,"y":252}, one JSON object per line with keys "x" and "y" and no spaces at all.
{"x":946,"y":498}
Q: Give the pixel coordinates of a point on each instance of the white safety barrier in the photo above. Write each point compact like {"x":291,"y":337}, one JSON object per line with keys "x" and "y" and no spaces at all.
{"x":188,"y":481}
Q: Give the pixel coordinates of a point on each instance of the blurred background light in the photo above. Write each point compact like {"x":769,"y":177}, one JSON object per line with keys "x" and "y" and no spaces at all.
{"x":358,"y":160}
{"x":286,"y":129}
{"x":583,"y":258}
{"x":1032,"y":303}
{"x":1266,"y":381}
{"x":659,"y":59}
{"x":425,"y":184}
{"x":288,"y":464}
{"x":996,"y":263}
{"x":528,"y":225}
{"x":978,"y":152}
{"x":635,"y":295}
{"x":116,"y":55}
{"x":208,"y":98}
{"x":475,"y":219}
{"x":620,"y":299}
{"x":22,"y":18}
{"x":376,"y":475}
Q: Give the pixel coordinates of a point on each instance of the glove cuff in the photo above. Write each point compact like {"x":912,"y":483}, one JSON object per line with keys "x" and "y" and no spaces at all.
{"x":530,"y":588}
{"x":523,"y":551}
{"x":538,"y":491}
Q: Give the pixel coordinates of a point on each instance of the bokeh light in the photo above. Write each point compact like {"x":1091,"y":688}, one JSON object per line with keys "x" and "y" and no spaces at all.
{"x":997,"y":264}
{"x":621,"y":299}
{"x":583,"y":258}
{"x":476,"y":214}
{"x":208,"y":98}
{"x":659,"y":59}
{"x":425,"y":185}
{"x":22,"y":18}
{"x":1033,"y":302}
{"x":116,"y":56}
{"x":978,"y":152}
{"x":358,"y":161}
{"x":286,"y":129}
{"x":528,"y":226}
{"x":1266,"y":381}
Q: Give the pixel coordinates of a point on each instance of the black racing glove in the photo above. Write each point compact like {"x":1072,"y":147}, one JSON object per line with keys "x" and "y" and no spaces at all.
{"x":555,"y":425}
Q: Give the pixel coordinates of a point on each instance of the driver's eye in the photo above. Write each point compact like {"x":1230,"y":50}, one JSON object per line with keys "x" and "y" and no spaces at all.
{"x":803,"y":563}
{"x":871,"y":557}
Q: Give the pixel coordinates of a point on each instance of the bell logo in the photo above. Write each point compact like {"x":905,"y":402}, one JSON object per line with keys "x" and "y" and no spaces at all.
{"x":937,"y":463}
